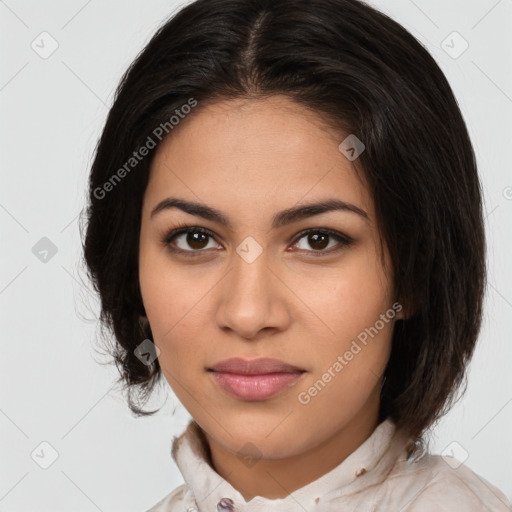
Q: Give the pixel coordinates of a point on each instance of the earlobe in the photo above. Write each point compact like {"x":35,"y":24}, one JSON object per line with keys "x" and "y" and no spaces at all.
{"x":143,"y":322}
{"x":400,"y":315}
{"x":404,"y":312}
{"x":401,"y":312}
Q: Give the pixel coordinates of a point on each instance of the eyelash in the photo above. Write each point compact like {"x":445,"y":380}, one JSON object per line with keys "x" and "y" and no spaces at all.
{"x":168,"y":237}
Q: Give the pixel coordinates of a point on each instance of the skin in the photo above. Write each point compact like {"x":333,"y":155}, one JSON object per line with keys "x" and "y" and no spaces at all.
{"x":251,"y":159}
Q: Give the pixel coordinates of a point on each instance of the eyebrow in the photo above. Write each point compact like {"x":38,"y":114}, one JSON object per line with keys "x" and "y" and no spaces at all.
{"x":281,"y":219}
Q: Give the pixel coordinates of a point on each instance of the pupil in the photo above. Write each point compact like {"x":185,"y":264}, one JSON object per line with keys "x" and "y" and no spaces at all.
{"x":192,"y":240}
{"x":313,"y":241}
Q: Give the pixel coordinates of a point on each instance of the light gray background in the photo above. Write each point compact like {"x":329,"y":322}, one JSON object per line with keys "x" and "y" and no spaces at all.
{"x":53,"y":389}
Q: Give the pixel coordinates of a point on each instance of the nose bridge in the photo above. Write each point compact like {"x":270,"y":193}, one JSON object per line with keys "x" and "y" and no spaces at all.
{"x":250,"y":275}
{"x":250,"y":300}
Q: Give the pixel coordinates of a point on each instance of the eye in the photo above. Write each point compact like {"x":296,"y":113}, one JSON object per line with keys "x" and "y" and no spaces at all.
{"x":188,"y":237}
{"x":192,"y":240}
{"x":318,"y":240}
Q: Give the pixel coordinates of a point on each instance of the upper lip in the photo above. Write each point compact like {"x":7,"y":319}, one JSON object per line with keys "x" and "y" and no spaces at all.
{"x":259,"y":366}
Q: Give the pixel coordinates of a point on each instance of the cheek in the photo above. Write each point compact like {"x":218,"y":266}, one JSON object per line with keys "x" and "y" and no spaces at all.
{"x":173,"y":306}
{"x":357,"y":346}
{"x":348,"y":367}
{"x":349,"y":298}
{"x":175,"y":303}
{"x":167,"y":291}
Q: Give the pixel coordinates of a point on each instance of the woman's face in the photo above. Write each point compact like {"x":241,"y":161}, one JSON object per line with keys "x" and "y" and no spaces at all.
{"x":259,"y":287}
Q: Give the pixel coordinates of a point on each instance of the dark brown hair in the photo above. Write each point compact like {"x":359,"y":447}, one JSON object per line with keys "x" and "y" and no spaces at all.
{"x":363,"y":73}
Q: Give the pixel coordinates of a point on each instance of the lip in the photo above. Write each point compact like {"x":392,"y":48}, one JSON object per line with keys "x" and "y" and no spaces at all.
{"x":260,"y":366}
{"x":253,"y":380}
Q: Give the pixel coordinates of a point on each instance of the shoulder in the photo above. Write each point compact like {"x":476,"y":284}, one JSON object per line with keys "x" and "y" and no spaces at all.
{"x":439,"y":484}
{"x":176,"y":501}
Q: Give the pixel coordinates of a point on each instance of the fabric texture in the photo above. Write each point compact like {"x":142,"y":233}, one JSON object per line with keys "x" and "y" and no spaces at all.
{"x":387,"y":473}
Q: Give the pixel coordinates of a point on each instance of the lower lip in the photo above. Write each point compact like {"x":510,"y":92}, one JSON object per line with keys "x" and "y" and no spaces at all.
{"x":255,"y":387}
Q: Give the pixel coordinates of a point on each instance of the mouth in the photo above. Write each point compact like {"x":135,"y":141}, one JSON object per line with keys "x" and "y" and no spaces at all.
{"x":254,"y":380}
{"x":261,"y":366}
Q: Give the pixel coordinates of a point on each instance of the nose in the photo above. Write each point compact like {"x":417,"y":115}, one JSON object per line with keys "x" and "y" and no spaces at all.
{"x":253,"y":297}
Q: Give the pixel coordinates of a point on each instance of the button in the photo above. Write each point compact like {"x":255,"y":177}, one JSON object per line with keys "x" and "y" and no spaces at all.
{"x":361,"y":472}
{"x":416,"y":450}
{"x":225,"y":504}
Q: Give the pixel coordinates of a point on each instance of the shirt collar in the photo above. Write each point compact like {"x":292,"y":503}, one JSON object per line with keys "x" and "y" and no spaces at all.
{"x":368,"y":465}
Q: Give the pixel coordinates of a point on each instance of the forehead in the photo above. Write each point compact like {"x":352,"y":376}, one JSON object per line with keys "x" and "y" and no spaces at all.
{"x":251,"y":153}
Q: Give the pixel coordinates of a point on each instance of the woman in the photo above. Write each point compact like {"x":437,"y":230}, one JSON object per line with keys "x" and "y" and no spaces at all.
{"x":285,"y":222}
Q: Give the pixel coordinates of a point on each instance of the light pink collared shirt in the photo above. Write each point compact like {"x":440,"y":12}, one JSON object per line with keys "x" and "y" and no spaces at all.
{"x":379,"y":476}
